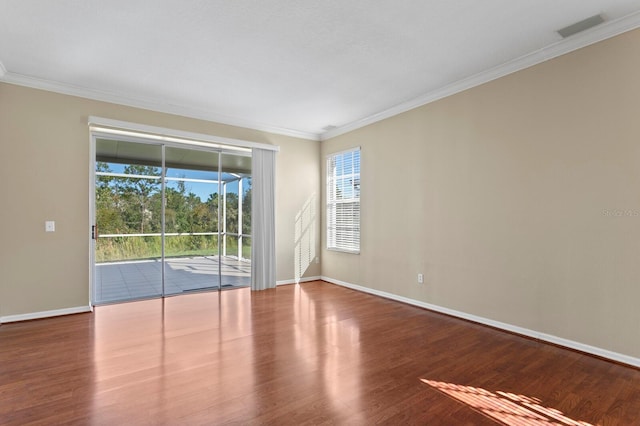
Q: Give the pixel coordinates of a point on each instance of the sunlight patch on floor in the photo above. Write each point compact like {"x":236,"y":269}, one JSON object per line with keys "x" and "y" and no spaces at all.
{"x":508,"y":408}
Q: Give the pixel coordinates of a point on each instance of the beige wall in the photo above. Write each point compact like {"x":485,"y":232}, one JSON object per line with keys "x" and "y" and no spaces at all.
{"x":44,"y":174}
{"x":519,"y":199}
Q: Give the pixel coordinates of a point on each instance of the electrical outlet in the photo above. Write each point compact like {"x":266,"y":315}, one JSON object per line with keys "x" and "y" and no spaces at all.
{"x":317,"y":260}
{"x":420,"y":279}
{"x":50,"y":226}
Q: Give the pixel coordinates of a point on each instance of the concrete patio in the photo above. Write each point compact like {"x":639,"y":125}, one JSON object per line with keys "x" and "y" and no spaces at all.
{"x":130,"y":280}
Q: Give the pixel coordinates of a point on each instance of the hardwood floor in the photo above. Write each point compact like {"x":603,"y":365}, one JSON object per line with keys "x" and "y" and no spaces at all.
{"x":309,"y":354}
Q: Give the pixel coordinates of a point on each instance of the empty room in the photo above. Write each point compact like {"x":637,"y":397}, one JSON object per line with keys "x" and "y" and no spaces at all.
{"x":340,"y":212}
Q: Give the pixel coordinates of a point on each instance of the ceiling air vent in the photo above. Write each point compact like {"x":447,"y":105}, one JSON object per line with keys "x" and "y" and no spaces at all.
{"x":583,"y":25}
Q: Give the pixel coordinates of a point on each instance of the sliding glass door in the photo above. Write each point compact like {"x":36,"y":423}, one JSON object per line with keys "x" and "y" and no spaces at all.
{"x":191,"y":220}
{"x":127,"y":230}
{"x":169,"y":219}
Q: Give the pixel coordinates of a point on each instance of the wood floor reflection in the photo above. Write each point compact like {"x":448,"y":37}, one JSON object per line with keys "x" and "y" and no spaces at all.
{"x":308,"y":354}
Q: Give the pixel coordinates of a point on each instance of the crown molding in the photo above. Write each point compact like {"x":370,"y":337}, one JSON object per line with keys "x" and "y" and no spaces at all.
{"x":594,"y":35}
{"x":148,"y":104}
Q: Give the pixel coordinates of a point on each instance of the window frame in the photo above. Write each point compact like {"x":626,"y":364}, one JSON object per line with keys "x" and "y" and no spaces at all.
{"x":348,"y":240}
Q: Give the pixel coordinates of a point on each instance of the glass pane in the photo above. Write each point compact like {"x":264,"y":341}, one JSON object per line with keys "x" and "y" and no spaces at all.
{"x":235,"y":261}
{"x":191,"y":220}
{"x":343,"y":201}
{"x":246,"y":208}
{"x":128,"y":247}
{"x":246,"y":248}
{"x":206,"y":221}
{"x":231,"y":207}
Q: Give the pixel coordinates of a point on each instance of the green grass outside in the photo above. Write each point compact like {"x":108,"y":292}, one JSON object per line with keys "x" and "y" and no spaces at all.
{"x":140,"y":248}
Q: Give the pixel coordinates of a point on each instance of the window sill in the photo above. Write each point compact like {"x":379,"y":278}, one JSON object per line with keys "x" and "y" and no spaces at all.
{"x":343,"y":250}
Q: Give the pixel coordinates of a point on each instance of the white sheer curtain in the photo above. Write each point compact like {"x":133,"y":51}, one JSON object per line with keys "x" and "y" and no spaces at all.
{"x":263,"y":219}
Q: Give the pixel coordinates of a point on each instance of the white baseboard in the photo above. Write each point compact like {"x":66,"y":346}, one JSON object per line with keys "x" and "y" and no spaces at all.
{"x":592,"y":350}
{"x":302,"y":280}
{"x":45,"y":314}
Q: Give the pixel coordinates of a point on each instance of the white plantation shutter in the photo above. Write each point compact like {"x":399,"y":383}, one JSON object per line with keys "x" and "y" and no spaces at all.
{"x":343,"y":201}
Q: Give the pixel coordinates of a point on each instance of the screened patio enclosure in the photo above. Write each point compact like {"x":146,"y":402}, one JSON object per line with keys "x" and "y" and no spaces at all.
{"x":169,"y":219}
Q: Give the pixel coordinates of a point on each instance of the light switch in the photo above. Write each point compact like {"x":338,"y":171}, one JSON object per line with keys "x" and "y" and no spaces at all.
{"x":50,"y":226}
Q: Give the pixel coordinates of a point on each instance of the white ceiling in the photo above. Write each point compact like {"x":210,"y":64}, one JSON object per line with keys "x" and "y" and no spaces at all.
{"x":290,"y":66}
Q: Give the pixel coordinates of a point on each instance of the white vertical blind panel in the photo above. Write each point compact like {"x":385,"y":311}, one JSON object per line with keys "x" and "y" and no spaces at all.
{"x":263,"y":223}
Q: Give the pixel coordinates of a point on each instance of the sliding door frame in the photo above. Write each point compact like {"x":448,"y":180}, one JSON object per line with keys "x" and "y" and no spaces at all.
{"x":134,"y":133}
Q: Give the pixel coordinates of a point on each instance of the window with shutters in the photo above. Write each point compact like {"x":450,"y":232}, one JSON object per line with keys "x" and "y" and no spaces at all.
{"x":343,"y":201}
